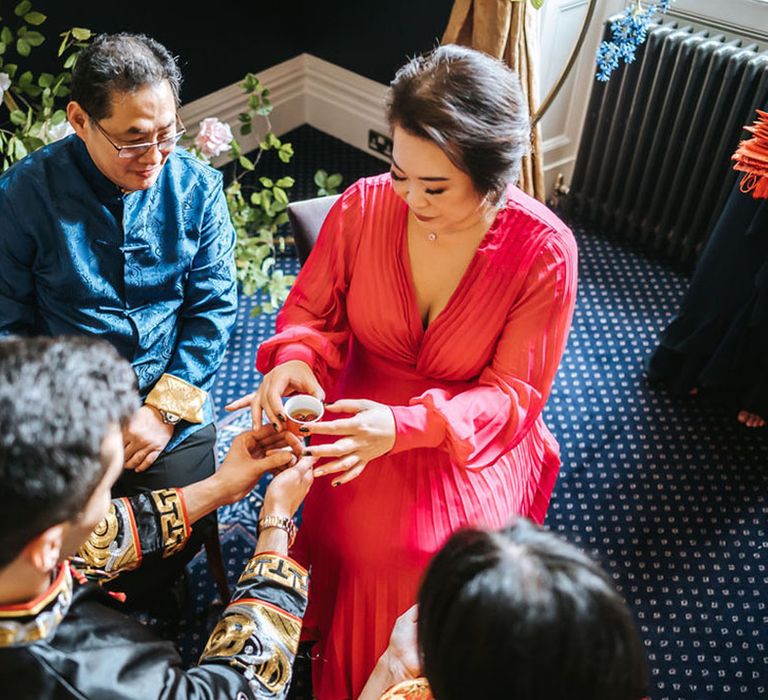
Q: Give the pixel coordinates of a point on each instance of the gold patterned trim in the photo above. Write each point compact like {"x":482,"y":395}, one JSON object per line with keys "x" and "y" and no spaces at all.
{"x":178,"y":397}
{"x":283,"y":571}
{"x":415,"y":689}
{"x":174,"y":525}
{"x":113,"y":546}
{"x":26,"y":624}
{"x":258,"y":639}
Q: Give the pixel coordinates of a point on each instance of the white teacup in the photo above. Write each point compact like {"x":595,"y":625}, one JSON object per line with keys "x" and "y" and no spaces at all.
{"x":301,"y":410}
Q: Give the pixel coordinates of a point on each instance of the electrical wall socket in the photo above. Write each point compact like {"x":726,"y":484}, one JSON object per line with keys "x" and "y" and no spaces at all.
{"x":380,"y":143}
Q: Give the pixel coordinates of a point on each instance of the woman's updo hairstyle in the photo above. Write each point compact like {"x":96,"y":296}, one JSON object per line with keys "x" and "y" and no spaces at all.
{"x":471,"y":106}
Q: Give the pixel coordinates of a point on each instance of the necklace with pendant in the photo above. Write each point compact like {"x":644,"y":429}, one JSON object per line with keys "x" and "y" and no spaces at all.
{"x":431,"y":236}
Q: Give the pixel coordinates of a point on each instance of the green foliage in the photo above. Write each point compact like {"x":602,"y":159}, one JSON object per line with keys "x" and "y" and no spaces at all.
{"x":327,"y":184}
{"x":258,"y":211}
{"x":35,"y":105}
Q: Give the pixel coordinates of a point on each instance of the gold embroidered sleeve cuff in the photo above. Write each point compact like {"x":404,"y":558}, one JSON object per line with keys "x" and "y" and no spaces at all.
{"x":174,"y":521}
{"x":258,"y":634}
{"x":176,"y":396}
{"x":113,"y":546}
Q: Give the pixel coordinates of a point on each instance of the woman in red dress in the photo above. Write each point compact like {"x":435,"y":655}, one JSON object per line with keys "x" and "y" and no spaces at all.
{"x":432,"y":315}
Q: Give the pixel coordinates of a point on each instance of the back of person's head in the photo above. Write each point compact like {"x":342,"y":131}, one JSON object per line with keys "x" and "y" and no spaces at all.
{"x":523,"y":614}
{"x":471,"y":106}
{"x":58,"y":398}
{"x":118,"y":63}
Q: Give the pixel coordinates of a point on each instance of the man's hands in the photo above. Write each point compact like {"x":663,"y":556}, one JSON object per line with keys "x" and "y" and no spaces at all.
{"x":294,"y":377}
{"x":247,"y":460}
{"x":144,"y":438}
{"x":287,"y":490}
{"x":242,"y":468}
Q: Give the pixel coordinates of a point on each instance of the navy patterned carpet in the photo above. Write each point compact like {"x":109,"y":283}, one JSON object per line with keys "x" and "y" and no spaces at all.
{"x":671,"y":495}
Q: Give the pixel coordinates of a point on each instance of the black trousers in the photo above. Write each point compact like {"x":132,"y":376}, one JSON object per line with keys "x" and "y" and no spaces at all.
{"x":191,"y":461}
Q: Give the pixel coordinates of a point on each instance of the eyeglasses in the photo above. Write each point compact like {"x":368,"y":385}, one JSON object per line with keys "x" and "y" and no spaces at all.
{"x":165,"y":146}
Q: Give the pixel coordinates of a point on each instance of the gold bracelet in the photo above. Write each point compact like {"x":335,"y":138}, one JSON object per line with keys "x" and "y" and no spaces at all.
{"x":277,"y":521}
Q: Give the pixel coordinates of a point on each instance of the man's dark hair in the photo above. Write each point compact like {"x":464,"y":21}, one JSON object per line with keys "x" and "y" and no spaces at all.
{"x":471,"y":106}
{"x":115,"y":63}
{"x":523,"y":614}
{"x":58,"y":397}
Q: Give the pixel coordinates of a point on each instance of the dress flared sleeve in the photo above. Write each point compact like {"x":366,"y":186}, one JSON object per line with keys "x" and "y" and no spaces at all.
{"x":478,"y":425}
{"x":312,"y":325}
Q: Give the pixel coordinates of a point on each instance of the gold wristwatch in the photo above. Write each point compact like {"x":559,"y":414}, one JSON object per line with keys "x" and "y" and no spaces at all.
{"x":277,"y":521}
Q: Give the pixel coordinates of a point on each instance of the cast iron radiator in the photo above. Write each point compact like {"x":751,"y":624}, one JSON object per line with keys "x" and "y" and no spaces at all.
{"x":653,"y":165}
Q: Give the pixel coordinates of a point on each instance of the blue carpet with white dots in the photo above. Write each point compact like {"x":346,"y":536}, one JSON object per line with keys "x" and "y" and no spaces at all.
{"x":669,"y":494}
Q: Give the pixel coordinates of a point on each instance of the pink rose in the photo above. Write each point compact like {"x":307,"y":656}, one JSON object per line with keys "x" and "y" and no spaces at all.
{"x":213,"y":137}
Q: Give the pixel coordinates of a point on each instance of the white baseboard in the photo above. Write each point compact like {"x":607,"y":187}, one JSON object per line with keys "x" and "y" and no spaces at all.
{"x":309,"y":90}
{"x":303,"y":90}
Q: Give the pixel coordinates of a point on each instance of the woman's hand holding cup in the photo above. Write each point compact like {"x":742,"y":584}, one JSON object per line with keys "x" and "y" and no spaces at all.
{"x":369,"y":433}
{"x":293,"y":377}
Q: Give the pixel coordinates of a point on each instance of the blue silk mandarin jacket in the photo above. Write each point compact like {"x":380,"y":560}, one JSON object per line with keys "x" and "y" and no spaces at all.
{"x":150,"y":271}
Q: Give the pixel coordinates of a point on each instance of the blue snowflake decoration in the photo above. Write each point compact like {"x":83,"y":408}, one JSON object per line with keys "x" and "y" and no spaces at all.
{"x":627,"y":33}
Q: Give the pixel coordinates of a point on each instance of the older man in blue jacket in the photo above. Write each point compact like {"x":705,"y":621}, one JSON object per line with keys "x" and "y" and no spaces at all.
{"x":114,"y":232}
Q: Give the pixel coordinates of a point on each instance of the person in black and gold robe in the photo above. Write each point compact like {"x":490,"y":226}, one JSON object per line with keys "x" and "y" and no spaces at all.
{"x":62,"y":403}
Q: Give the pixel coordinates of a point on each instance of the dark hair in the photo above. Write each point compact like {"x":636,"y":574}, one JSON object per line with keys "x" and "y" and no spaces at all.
{"x":115,"y":63}
{"x":523,"y":614}
{"x":57,"y":400}
{"x":471,"y":106}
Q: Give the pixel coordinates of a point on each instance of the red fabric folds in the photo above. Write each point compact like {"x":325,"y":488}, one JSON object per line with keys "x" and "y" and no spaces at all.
{"x":467,"y":394}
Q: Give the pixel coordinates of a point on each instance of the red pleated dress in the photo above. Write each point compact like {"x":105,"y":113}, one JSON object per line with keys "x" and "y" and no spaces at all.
{"x":467,"y":394}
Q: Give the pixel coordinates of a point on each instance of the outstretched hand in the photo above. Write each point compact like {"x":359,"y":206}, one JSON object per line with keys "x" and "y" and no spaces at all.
{"x":247,"y":460}
{"x":294,"y":377}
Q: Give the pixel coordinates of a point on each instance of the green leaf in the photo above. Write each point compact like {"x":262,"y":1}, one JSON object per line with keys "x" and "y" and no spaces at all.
{"x":3,"y":47}
{"x":11,"y":69}
{"x":6,"y":35}
{"x":537,"y":4}
{"x":81,"y":34}
{"x":264,"y":110}
{"x":59,"y":117}
{"x":22,"y":8}
{"x":23,"y":48}
{"x":244,"y":117}
{"x":245,"y":163}
{"x":34,"y":38}
{"x":45,"y":80}
{"x":20,"y":150}
{"x":334,"y":181}
{"x":273,"y":140}
{"x":286,"y":181}
{"x":254,"y":102}
{"x":280,"y":195}
{"x":246,"y":129}
{"x":33,"y":144}
{"x":266,"y":182}
{"x":320,"y":178}
{"x":35,"y":18}
{"x":25,"y":78}
{"x":18,"y":117}
{"x":70,"y":60}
